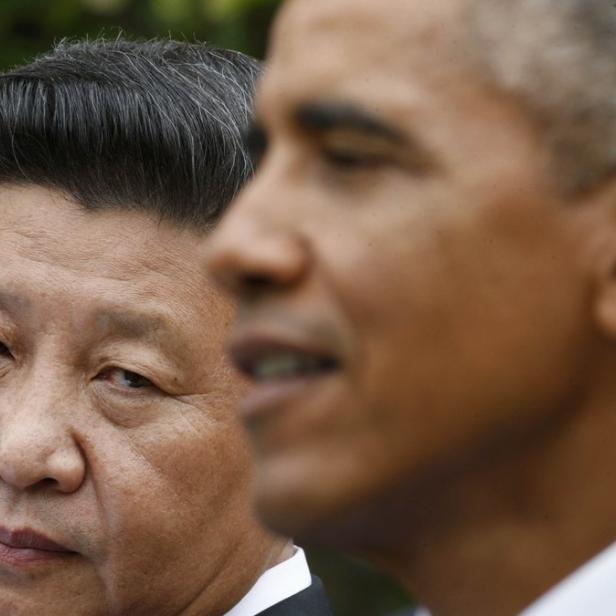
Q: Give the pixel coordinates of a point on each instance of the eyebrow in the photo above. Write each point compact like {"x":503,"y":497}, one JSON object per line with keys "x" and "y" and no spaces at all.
{"x":116,"y":322}
{"x":133,"y":324}
{"x":12,"y":302}
{"x":129,"y":323}
{"x":324,"y":117}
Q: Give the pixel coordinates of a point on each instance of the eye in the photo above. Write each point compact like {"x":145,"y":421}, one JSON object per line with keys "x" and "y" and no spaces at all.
{"x":346,"y":159}
{"x":349,"y":151}
{"x":5,"y":351}
{"x":126,"y":378}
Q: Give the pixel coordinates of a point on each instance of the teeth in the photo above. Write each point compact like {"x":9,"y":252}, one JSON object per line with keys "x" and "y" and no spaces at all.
{"x":287,"y":365}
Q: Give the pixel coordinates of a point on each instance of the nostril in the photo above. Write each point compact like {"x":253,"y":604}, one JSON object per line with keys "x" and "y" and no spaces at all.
{"x":45,"y":484}
{"x":256,"y":282}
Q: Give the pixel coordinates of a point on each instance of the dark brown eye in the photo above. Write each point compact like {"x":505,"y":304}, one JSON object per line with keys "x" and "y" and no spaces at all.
{"x":126,"y":378}
{"x":348,"y":159}
{"x":5,"y":351}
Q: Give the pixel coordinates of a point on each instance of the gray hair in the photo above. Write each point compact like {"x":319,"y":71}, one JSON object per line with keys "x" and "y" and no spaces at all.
{"x":149,"y":125}
{"x":558,"y":57}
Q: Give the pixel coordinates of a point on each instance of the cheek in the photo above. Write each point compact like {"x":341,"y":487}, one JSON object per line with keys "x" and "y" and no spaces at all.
{"x":178,"y":494}
{"x":167,"y":480}
{"x":464,"y":323}
{"x":386,"y":253}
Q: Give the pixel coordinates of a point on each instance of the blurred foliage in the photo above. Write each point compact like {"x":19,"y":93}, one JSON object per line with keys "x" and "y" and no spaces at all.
{"x":29,"y":27}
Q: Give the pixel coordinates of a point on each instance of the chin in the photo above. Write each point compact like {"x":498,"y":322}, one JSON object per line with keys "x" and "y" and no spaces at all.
{"x":285,"y":506}
{"x":310,"y":503}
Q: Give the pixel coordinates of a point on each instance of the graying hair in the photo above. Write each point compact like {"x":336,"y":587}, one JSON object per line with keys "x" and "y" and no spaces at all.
{"x":149,"y":125}
{"x":558,"y":57}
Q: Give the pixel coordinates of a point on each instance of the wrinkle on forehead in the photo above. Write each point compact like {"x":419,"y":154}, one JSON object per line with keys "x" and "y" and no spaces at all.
{"x":92,"y":242}
{"x":54,"y":251}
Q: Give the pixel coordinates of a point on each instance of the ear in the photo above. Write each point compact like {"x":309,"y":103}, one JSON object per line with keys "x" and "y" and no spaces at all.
{"x":605,"y":308}
{"x":601,"y":230}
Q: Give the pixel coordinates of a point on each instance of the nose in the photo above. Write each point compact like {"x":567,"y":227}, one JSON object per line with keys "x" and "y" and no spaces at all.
{"x":256,"y":250}
{"x":38,"y":451}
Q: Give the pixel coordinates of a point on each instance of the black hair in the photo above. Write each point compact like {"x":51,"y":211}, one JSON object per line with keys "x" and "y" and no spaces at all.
{"x":146,"y":125}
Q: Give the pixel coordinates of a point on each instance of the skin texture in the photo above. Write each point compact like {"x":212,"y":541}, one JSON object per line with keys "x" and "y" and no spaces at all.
{"x":471,"y":308}
{"x":148,"y":484}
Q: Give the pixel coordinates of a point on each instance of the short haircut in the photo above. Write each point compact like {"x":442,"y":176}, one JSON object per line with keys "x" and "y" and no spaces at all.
{"x":155,"y":126}
{"x":558,"y":57}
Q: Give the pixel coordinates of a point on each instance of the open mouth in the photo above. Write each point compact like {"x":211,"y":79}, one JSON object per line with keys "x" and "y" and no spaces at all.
{"x":266,"y":362}
{"x":287,"y":369}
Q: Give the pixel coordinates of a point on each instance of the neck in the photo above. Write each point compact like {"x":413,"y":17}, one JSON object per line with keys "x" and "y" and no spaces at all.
{"x":493,"y":539}
{"x":234,"y":579}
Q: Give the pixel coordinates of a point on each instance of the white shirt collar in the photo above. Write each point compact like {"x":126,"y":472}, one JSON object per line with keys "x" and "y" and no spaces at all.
{"x":275,"y":585}
{"x":590,"y":590}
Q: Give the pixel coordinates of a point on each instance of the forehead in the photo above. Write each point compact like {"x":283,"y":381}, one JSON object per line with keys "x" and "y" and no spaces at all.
{"x":48,"y":228}
{"x":54,"y":250}
{"x":354,"y":46}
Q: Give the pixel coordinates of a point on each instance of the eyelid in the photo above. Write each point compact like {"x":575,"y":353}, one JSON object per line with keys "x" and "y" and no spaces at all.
{"x":347,"y":149}
{"x":105,"y":372}
{"x":374,"y":149}
{"x":349,"y":140}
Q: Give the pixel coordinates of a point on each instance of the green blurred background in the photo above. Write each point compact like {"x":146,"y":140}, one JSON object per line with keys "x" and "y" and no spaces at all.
{"x":28,"y":27}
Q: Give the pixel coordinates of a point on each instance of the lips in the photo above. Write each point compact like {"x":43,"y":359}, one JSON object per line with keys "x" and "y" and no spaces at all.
{"x":266,"y":359}
{"x":29,"y":539}
{"x":281,"y":368}
{"x":26,"y":546}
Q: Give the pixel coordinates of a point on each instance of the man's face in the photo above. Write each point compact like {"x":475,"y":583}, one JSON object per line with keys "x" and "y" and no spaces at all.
{"x":117,"y":435}
{"x":408,"y":287}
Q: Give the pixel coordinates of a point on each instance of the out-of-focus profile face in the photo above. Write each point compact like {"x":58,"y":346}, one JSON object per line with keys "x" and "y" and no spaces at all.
{"x":409,"y":298}
{"x":123,"y":476}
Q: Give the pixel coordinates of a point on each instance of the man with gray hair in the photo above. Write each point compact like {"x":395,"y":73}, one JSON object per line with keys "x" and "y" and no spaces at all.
{"x":426,"y":269}
{"x":125,"y":477}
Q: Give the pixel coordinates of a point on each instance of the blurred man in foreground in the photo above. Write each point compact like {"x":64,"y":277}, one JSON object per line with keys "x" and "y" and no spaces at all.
{"x":124,"y":475}
{"x":426,"y":270}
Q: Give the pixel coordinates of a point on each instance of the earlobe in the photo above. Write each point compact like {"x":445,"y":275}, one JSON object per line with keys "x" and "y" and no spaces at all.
{"x":605,"y":302}
{"x":604,"y":274}
{"x":595,"y":223}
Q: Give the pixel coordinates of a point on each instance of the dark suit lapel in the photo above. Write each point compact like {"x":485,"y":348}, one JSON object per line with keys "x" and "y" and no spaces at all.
{"x":309,"y":602}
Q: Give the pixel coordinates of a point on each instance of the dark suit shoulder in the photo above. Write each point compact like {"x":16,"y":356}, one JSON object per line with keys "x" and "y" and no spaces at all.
{"x":309,"y":602}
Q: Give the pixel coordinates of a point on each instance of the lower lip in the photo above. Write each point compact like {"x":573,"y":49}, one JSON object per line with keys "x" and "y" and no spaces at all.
{"x":270,"y":397}
{"x":24,"y":557}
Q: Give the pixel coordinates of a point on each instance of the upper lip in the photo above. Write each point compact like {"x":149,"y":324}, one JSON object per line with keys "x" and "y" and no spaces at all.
{"x":26,"y":538}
